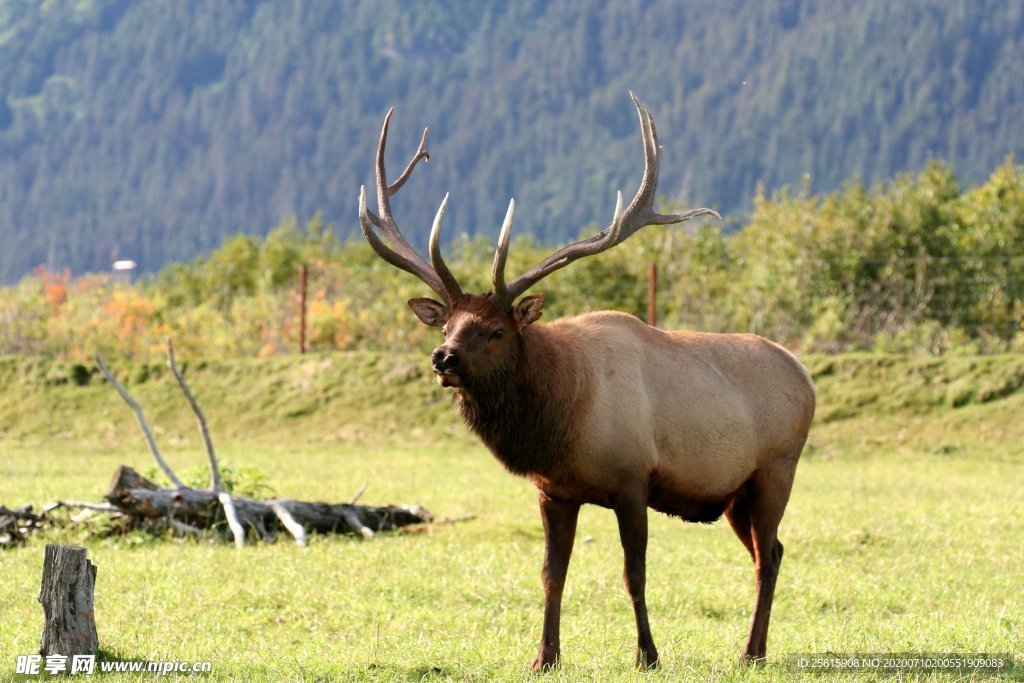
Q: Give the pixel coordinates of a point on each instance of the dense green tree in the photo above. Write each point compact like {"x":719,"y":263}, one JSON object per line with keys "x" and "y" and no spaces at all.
{"x":152,"y":130}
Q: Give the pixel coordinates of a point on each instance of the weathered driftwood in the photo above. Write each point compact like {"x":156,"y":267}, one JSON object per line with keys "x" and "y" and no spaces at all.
{"x":69,"y":579}
{"x":139,"y":497}
{"x":192,"y":511}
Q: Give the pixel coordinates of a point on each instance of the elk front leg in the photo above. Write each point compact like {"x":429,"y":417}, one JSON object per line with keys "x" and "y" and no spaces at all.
{"x":559,"y":531}
{"x":632,"y":517}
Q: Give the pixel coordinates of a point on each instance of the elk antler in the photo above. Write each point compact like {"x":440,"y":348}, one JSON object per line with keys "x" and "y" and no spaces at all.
{"x":436,"y":274}
{"x":638,"y":214}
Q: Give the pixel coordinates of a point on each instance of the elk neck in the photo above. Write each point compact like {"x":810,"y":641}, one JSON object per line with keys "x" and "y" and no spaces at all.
{"x":527,"y":412}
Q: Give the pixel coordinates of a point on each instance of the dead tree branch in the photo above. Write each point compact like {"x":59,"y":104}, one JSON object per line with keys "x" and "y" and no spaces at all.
{"x":297,"y":531}
{"x":200,"y":418}
{"x":359,"y":493}
{"x":134,"y":405}
{"x":234,"y":523}
{"x":142,"y":503}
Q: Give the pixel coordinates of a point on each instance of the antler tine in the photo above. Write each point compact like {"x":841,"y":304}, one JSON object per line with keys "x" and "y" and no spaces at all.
{"x":501,"y":254}
{"x":421,"y":153}
{"x":416,"y":265}
{"x":401,"y":254}
{"x":386,"y":221}
{"x":649,"y":185}
{"x":652,"y":162}
{"x":440,"y":267}
{"x":638,"y":214}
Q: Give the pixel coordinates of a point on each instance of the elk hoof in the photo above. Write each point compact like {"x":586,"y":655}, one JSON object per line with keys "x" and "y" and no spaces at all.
{"x":546,"y":661}
{"x":753,"y":660}
{"x":646,"y":661}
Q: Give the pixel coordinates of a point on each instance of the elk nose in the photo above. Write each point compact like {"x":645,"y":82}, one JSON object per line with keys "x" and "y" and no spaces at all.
{"x":443,"y":360}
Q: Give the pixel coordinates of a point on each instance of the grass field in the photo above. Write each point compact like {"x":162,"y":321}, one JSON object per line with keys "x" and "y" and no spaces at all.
{"x":905,"y":531}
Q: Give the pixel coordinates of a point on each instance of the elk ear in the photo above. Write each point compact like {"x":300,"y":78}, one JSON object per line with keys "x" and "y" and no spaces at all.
{"x":429,"y":312}
{"x":528,"y":310}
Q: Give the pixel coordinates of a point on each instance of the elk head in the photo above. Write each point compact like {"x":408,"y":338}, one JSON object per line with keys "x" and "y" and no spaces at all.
{"x":484,"y":332}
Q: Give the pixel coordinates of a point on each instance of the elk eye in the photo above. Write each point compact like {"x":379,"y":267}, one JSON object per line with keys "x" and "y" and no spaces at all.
{"x":497,"y":334}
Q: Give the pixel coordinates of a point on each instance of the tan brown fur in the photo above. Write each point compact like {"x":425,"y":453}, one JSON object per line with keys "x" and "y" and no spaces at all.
{"x":605,"y":410}
{"x":696,"y":413}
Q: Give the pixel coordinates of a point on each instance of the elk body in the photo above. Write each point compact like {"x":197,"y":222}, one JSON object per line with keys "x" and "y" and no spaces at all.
{"x":605,"y":410}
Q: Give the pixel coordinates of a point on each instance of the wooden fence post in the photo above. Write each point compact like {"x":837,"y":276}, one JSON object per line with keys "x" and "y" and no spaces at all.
{"x":303,"y":286}
{"x":69,"y":579}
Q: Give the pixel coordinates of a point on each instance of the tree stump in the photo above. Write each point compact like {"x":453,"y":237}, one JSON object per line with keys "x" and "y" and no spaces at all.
{"x":67,"y":596}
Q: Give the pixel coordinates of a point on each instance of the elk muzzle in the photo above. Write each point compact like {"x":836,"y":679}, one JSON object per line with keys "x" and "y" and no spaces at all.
{"x":446,"y":365}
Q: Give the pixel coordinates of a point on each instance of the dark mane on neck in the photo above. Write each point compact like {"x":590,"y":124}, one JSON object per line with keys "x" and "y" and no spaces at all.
{"x":523,"y":413}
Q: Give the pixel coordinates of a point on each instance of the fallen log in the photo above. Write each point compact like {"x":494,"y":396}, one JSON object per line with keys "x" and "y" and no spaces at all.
{"x":142,"y":503}
{"x":17,"y":524}
{"x":138,"y":497}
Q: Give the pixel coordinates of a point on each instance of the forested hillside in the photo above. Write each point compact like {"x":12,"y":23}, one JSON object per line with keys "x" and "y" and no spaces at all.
{"x":150,"y":130}
{"x":919,"y":264}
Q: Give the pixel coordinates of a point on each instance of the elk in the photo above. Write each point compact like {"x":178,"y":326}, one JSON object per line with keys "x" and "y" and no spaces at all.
{"x":603,"y":409}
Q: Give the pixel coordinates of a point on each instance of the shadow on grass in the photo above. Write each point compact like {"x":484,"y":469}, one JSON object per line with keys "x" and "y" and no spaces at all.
{"x":424,"y":672}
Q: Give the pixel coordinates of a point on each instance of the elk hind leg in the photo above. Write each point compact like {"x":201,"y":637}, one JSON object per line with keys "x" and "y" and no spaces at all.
{"x":738,"y":514}
{"x":766,"y":497}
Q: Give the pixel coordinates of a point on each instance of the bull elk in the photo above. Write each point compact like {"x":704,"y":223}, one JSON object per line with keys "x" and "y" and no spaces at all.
{"x":602,"y":409}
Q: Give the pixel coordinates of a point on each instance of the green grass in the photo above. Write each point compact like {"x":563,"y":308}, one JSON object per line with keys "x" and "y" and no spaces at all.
{"x":904,"y":533}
